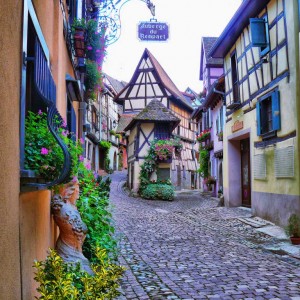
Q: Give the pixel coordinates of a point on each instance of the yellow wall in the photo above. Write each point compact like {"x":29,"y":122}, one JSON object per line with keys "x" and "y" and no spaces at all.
{"x":289,"y":110}
{"x":10,"y":59}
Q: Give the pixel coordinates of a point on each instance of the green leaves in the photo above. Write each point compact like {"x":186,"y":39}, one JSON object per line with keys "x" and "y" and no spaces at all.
{"x":42,"y":152}
{"x":94,"y":207}
{"x":158,"y":191}
{"x":61,"y":281}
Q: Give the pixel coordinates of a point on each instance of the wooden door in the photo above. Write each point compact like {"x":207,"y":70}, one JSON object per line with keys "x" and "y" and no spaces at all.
{"x":246,"y":173}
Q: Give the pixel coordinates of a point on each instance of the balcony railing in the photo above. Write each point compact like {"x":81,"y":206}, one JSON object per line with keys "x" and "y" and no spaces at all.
{"x":45,"y":92}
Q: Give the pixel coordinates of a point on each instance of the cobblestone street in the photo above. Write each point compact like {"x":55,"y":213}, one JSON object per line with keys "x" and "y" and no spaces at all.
{"x":192,"y":249}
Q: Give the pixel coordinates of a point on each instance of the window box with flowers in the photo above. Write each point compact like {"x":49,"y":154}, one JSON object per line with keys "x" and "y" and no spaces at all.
{"x":43,"y":154}
{"x":79,"y":37}
{"x":164,"y":150}
{"x":203,"y":136}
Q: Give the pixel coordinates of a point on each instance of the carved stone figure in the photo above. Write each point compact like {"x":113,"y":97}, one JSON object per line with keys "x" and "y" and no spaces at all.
{"x":72,"y":230}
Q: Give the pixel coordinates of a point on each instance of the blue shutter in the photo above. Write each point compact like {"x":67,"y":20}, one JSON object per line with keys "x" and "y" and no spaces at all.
{"x":276,"y":110}
{"x":258,"y":32}
{"x":73,"y":122}
{"x":258,"y":123}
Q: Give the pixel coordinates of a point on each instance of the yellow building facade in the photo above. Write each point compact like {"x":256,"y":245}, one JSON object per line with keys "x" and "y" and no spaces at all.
{"x":261,"y":138}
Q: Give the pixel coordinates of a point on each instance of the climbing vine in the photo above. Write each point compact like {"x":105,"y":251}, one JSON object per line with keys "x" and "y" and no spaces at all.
{"x":203,"y":162}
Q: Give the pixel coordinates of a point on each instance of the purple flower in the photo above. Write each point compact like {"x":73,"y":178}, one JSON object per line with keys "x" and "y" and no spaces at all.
{"x":88,"y":166}
{"x":64,"y":133}
{"x":81,"y":158}
{"x":64,"y":124}
{"x":40,"y":112}
{"x":44,"y":151}
{"x":75,"y":179}
{"x":89,"y":47}
{"x":95,"y":174}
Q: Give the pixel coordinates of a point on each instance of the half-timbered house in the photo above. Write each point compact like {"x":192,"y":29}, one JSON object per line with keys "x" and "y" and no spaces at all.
{"x":155,"y":121}
{"x":260,"y":48}
{"x":151,"y":81}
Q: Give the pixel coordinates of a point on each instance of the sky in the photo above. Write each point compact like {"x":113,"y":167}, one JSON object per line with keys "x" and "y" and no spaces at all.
{"x":188,"y":20}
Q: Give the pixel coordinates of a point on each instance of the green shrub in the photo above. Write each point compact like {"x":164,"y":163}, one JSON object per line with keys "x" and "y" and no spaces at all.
{"x":158,"y":191}
{"x":62,"y":281}
{"x":94,"y":207}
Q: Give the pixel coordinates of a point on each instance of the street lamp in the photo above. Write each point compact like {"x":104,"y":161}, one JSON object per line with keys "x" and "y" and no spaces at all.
{"x":107,"y":12}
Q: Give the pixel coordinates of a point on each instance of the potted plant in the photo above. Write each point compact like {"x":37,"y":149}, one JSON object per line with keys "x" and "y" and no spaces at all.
{"x":78,"y":32}
{"x":93,"y":79}
{"x":293,"y":229}
{"x":209,"y":181}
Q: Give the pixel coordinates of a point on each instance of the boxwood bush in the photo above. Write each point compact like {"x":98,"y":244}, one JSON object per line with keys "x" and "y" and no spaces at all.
{"x":158,"y":191}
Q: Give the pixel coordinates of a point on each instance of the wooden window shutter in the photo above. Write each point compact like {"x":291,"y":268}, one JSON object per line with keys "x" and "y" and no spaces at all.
{"x":259,"y":36}
{"x":73,"y":121}
{"x":276,"y":110}
{"x":258,"y":121}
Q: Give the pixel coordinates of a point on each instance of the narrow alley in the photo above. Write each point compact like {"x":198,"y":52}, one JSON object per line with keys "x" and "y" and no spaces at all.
{"x":192,"y":249}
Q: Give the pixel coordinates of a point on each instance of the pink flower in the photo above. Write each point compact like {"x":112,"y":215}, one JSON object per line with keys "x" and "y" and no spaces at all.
{"x":64,"y":124}
{"x":64,"y":133}
{"x":88,"y":166}
{"x":81,"y":141}
{"x":75,"y":179}
{"x":81,"y":158}
{"x":40,"y":112}
{"x":44,"y":151}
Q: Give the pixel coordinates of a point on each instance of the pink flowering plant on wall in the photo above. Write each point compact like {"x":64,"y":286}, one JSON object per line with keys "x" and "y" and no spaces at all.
{"x":163,"y":149}
{"x":42,"y":152}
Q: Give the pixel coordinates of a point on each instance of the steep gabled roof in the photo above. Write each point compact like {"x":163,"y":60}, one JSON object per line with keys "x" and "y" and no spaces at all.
{"x":155,"y":111}
{"x":161,"y":77}
{"x":123,"y":122}
{"x":206,"y":45}
{"x":116,"y":84}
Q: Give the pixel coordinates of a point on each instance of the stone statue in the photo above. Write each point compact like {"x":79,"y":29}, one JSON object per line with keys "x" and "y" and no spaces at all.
{"x":72,"y":230}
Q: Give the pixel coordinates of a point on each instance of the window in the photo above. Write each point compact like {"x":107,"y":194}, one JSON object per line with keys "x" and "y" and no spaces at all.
{"x":162,"y":131}
{"x":260,"y":34}
{"x":268,"y":114}
{"x":234,"y":78}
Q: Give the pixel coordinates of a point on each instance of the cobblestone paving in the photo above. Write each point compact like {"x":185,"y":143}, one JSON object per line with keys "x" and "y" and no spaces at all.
{"x":192,"y":249}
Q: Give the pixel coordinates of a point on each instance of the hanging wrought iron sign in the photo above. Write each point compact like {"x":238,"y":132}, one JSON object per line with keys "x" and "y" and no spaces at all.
{"x":153,"y":31}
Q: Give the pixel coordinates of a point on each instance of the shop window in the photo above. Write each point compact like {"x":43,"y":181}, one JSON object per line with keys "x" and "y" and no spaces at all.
{"x":268,"y":114}
{"x":260,"y":34}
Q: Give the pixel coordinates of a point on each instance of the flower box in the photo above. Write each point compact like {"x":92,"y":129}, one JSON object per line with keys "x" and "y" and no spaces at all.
{"x":79,"y":42}
{"x":203,"y":136}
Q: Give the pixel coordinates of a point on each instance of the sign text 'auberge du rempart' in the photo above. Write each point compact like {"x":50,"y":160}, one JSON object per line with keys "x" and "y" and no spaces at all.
{"x":153,"y":31}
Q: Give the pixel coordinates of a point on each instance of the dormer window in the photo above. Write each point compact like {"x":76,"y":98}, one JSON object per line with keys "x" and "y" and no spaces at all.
{"x":259,"y":29}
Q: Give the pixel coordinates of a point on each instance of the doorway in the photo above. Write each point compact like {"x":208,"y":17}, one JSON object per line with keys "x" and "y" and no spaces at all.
{"x":245,"y":172}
